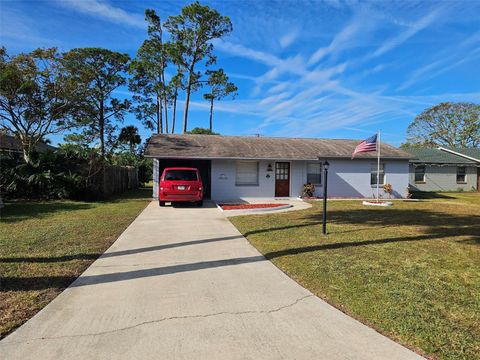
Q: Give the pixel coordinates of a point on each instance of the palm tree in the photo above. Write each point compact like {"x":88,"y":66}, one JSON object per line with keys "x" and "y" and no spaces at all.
{"x":129,"y":135}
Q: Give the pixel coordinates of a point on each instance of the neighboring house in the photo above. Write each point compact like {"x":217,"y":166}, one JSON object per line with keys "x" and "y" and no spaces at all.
{"x":444,"y":169}
{"x":11,"y":145}
{"x":234,"y":167}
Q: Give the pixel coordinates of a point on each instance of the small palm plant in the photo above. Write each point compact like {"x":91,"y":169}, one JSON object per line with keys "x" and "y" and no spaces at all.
{"x":388,"y":189}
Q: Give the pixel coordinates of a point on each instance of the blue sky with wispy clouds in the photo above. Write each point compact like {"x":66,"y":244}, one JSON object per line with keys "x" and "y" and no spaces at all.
{"x":341,"y":69}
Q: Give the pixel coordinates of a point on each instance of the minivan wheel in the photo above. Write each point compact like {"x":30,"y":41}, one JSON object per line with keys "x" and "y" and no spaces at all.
{"x":161,"y":203}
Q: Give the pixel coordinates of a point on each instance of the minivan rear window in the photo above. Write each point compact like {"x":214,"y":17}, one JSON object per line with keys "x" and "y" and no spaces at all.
{"x":183,"y":175}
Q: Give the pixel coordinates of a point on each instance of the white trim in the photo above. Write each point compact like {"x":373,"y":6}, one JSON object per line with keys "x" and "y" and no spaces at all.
{"x":459,"y":154}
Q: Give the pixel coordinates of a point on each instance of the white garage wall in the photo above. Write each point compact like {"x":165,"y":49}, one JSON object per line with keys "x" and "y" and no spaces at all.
{"x":223,"y":181}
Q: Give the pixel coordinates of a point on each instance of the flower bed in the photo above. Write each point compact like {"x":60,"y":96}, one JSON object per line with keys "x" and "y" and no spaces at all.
{"x":249,"y":206}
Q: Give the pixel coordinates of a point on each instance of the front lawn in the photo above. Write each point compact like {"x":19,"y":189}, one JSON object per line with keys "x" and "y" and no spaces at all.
{"x":411,"y":271}
{"x":44,"y":246}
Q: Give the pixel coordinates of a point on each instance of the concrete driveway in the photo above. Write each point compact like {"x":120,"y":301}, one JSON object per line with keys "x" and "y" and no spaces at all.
{"x":182,"y":283}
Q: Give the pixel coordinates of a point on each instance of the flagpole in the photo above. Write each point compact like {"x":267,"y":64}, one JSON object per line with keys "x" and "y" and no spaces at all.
{"x":378,"y":164}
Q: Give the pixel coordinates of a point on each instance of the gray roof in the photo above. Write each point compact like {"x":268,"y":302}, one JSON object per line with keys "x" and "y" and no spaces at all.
{"x":250,"y":147}
{"x":10,"y":143}
{"x":437,"y":156}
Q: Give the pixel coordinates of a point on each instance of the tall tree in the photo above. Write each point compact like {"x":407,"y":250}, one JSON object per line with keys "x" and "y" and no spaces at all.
{"x":129,"y":135}
{"x":448,"y":124}
{"x":100,"y":72}
{"x":192,"y":32}
{"x":220,"y":87}
{"x":37,"y":97}
{"x":148,"y":77}
{"x":175,"y":84}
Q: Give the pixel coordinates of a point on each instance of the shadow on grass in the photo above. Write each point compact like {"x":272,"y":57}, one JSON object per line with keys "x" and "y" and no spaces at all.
{"x":20,"y":211}
{"x":25,"y":210}
{"x":53,"y":259}
{"x":435,"y":224}
{"x":430,"y":195}
{"x":35,"y":283}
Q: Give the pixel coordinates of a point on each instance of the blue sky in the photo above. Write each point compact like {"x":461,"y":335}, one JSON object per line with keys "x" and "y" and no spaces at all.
{"x":340,"y":69}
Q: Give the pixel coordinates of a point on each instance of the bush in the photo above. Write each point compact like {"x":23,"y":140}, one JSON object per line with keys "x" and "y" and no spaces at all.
{"x":50,"y":175}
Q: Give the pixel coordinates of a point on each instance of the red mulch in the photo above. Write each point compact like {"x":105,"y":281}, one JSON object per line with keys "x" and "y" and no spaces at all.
{"x":249,"y":206}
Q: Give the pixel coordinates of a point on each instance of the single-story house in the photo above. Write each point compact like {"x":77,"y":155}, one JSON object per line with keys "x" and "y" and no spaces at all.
{"x":236,"y":167}
{"x":443,"y":169}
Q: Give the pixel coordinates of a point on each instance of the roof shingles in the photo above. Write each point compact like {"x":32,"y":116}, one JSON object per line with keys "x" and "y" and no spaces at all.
{"x":437,"y":156}
{"x":249,"y":147}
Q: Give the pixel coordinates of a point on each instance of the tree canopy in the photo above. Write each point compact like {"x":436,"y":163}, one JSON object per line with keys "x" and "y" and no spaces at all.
{"x":99,"y":72}
{"x":220,"y":87}
{"x":201,"y":131}
{"x":446,"y":124}
{"x":191,"y":35}
{"x":37,"y":96}
{"x":129,"y":135}
{"x":148,"y":77}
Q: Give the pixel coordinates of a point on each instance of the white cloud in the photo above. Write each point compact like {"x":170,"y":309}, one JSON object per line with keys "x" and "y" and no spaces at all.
{"x":288,"y":38}
{"x":418,"y":26}
{"x":338,"y":43}
{"x":242,"y":51}
{"x":450,"y":58}
{"x":105,"y":11}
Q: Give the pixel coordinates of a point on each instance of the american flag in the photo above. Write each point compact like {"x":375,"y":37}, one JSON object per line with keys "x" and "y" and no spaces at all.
{"x":367,"y":145}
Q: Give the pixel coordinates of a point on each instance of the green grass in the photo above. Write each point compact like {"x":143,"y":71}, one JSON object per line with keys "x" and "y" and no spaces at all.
{"x":44,"y":246}
{"x":411,"y":271}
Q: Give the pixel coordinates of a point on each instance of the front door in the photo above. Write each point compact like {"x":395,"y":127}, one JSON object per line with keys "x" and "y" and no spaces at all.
{"x":282,"y":179}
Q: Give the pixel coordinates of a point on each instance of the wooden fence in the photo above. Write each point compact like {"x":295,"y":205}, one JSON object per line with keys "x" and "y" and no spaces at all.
{"x":119,"y":179}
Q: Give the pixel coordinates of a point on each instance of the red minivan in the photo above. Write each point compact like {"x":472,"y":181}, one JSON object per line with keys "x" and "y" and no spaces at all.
{"x":180,"y":184}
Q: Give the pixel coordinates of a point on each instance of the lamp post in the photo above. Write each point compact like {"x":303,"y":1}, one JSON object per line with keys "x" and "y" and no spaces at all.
{"x":325,"y":172}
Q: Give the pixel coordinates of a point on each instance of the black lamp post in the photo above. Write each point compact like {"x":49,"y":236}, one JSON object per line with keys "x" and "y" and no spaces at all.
{"x":325,"y":172}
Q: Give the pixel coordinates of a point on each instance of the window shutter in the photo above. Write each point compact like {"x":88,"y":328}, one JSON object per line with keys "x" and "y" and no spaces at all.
{"x":247,"y":173}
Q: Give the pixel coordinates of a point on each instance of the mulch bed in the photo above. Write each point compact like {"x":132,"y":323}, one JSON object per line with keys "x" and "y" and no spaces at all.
{"x":249,"y":206}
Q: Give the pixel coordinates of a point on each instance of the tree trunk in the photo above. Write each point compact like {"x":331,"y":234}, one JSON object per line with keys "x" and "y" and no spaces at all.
{"x":26,"y":148}
{"x":26,"y":154}
{"x":101,"y":126}
{"x":211,"y":114}
{"x":185,"y":111}
{"x":159,"y":115}
{"x":174,"y":111}
{"x":165,"y":102}
{"x":187,"y":98}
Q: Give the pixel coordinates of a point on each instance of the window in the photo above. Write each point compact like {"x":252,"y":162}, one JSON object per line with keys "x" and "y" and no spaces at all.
{"x":184,"y":175}
{"x":461,"y":175}
{"x":247,"y":173}
{"x":373,"y":174}
{"x":314,"y":173}
{"x":420,"y":174}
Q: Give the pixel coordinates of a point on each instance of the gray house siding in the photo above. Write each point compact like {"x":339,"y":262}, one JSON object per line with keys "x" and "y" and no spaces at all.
{"x":444,"y":178}
{"x":347,"y":179}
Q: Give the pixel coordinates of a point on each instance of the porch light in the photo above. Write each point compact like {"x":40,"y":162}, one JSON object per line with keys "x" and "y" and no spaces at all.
{"x":269,"y":167}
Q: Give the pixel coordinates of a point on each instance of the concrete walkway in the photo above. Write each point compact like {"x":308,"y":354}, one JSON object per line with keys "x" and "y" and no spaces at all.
{"x":182,"y":283}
